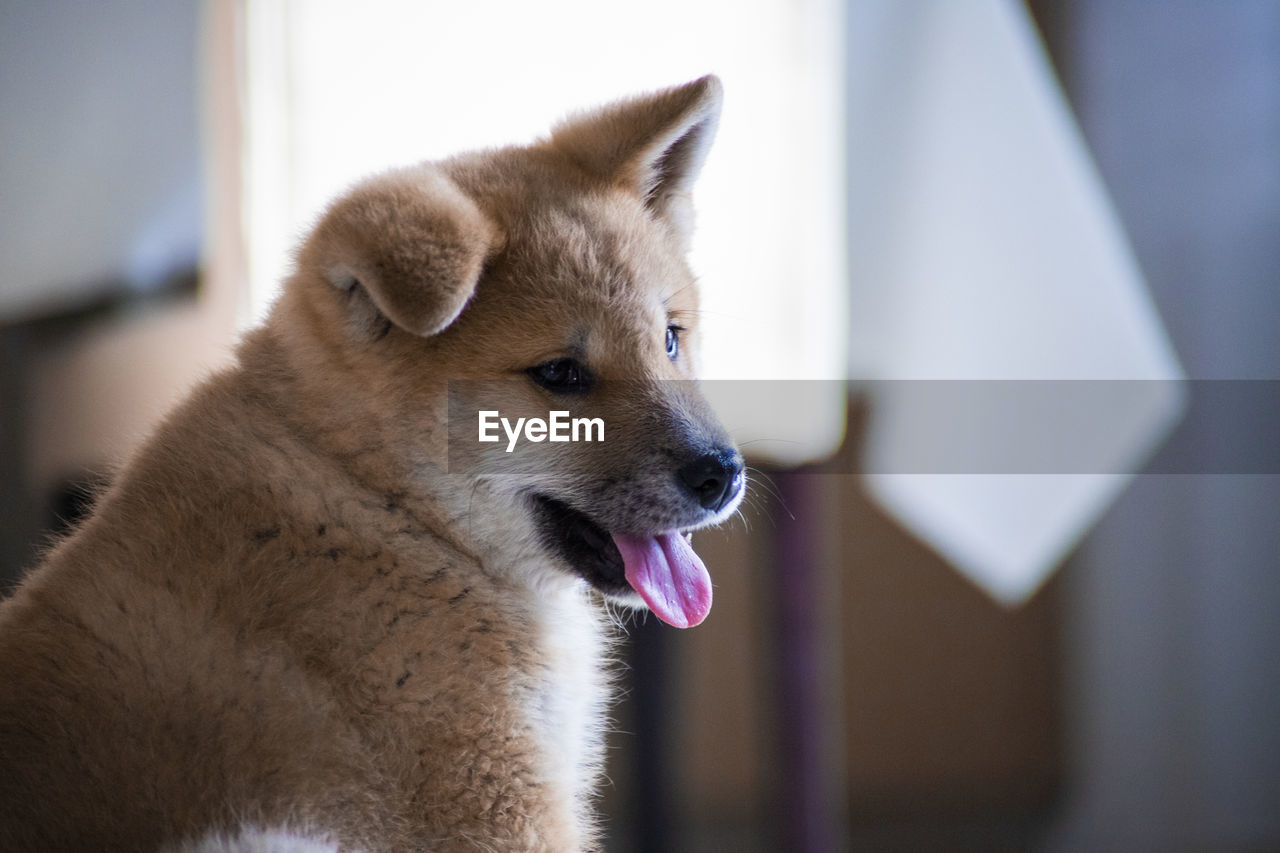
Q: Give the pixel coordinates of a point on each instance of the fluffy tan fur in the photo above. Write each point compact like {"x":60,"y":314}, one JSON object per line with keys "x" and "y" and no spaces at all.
{"x":293,"y":622}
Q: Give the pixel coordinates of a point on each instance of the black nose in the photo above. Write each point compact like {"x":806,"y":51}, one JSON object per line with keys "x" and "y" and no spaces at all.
{"x":714,"y":479}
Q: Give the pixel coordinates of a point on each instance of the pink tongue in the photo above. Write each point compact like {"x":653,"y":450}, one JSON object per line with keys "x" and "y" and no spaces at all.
{"x":669,"y":577}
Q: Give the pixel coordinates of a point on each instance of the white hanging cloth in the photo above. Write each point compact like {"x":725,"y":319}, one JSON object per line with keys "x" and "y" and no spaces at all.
{"x":985,"y":248}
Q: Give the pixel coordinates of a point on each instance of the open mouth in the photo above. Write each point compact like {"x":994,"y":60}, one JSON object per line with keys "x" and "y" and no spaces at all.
{"x":583,"y":544}
{"x":661,"y":567}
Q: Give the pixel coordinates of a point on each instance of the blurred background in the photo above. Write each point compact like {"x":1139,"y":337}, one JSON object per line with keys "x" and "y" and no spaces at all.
{"x":1080,"y":658}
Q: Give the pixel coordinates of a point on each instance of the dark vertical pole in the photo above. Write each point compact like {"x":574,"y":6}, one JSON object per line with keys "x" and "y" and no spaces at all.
{"x":809,"y":820}
{"x":18,"y":528}
{"x":653,"y":811}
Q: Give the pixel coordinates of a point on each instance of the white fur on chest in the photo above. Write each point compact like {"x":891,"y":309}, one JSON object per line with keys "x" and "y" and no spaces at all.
{"x":565,"y":629}
{"x":568,"y":707}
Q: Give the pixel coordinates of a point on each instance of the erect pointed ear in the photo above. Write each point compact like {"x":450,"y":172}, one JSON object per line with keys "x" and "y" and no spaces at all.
{"x":653,"y":145}
{"x":412,"y":240}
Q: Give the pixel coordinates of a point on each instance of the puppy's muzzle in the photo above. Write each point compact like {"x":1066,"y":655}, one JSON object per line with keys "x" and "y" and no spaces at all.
{"x":713,"y":479}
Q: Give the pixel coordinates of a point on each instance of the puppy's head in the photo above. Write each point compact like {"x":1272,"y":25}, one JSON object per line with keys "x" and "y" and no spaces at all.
{"x":548,"y":279}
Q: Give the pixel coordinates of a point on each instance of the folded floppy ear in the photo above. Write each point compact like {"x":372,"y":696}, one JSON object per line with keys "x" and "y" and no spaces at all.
{"x":653,"y":145}
{"x":410,"y":239}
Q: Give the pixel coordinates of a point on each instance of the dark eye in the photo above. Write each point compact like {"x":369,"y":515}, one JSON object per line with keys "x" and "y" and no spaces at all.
{"x":673,"y":341}
{"x":562,"y":375}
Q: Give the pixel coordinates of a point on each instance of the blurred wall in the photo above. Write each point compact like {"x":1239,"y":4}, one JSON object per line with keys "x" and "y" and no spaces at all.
{"x":1173,"y":639}
{"x":102,"y":226}
{"x":99,"y":150}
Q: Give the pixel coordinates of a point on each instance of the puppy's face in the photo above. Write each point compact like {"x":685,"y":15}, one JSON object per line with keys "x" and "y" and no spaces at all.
{"x":592,"y":311}
{"x":546,"y":280}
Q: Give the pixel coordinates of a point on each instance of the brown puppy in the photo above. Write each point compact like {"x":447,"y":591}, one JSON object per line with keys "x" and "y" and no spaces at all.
{"x":317,"y":611}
